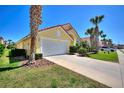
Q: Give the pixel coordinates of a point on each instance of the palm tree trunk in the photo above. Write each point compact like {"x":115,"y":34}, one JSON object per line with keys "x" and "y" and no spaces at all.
{"x":35,"y":21}
{"x":32,"y":47}
{"x":91,"y":40}
{"x":97,"y":37}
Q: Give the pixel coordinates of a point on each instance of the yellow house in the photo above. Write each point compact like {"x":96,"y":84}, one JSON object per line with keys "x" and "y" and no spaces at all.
{"x":52,"y":41}
{"x":1,"y":40}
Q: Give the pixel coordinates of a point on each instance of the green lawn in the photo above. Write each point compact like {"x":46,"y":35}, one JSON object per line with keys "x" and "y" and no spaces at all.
{"x":11,"y":75}
{"x":43,"y":77}
{"x":112,"y":56}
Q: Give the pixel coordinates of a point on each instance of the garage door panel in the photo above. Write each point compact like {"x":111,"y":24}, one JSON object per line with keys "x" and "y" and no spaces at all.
{"x":53,"y":47}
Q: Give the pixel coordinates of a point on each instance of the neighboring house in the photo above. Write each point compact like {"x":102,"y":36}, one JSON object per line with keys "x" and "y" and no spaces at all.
{"x":102,"y":43}
{"x":120,"y":46}
{"x":52,"y":41}
{"x":87,"y":40}
{"x":1,"y":40}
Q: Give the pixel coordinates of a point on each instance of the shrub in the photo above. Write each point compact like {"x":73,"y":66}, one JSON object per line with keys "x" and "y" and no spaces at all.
{"x":17,"y":52}
{"x":38,"y":56}
{"x":94,"y":49}
{"x":1,"y":49}
{"x":11,"y":46}
{"x":72,"y":81}
{"x":112,"y":50}
{"x":88,"y":49}
{"x":102,"y":49}
{"x":82,"y":51}
{"x":54,"y":83}
{"x":84,"y":44}
{"x":73,"y":49}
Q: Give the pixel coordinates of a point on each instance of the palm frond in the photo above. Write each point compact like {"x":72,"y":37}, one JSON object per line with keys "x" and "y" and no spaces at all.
{"x":101,"y":33}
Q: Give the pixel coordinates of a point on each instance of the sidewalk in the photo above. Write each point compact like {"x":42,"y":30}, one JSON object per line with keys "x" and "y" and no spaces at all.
{"x":121,"y":62}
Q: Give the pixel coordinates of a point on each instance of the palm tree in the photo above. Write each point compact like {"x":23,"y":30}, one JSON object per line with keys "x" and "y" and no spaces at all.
{"x":104,"y":39}
{"x":9,"y":41}
{"x":35,"y":21}
{"x":101,"y":33}
{"x":13,"y":43}
{"x":96,"y":21}
{"x":110,"y":42}
{"x":90,"y":32}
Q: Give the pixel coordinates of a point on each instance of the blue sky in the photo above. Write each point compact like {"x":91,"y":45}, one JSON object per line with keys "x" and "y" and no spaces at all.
{"x":14,"y":20}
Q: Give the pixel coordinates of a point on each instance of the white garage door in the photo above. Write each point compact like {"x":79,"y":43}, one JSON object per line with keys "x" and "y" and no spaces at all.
{"x":53,"y":47}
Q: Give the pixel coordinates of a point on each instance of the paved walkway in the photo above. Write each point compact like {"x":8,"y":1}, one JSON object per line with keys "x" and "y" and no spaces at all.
{"x":121,"y":62}
{"x":107,"y":73}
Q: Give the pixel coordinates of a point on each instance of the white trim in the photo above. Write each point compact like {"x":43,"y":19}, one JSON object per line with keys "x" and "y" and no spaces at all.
{"x":54,"y":39}
{"x":67,"y":34}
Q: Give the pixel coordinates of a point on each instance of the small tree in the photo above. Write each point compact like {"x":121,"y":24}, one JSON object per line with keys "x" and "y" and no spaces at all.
{"x":82,"y":51}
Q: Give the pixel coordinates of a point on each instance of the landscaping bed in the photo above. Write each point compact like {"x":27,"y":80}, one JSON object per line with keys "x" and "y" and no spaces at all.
{"x":38,"y":63}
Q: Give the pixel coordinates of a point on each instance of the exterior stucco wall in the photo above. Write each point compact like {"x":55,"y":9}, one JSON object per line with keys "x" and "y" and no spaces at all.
{"x":75,"y":37}
{"x":56,"y":33}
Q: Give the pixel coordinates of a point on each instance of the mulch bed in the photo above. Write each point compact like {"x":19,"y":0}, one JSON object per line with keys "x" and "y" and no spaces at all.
{"x":37,"y":63}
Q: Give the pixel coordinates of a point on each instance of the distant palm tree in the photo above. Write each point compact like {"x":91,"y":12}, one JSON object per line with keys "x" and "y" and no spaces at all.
{"x":13,"y":43}
{"x":101,"y":33}
{"x":104,"y":36}
{"x":96,"y":21}
{"x":90,"y":32}
{"x":104,"y":40}
{"x":35,"y":21}
{"x":9,"y":41}
{"x":110,"y":42}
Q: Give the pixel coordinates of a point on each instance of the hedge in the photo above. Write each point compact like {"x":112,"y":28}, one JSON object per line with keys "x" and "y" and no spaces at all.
{"x":1,"y":49}
{"x":17,"y":52}
{"x":73,"y":49}
{"x":38,"y":56}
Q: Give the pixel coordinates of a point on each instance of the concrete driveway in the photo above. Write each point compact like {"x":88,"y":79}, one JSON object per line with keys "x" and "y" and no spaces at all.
{"x":107,"y":73}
